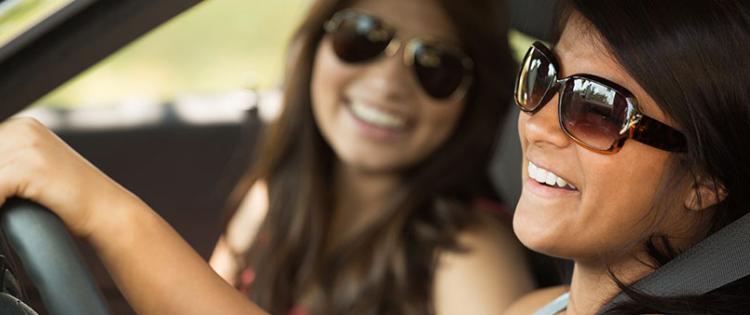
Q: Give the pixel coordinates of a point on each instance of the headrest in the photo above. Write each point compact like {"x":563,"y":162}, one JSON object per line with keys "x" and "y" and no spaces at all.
{"x":505,"y":167}
{"x":533,"y":17}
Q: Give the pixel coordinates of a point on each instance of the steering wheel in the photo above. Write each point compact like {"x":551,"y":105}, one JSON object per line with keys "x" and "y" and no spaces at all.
{"x":51,"y":259}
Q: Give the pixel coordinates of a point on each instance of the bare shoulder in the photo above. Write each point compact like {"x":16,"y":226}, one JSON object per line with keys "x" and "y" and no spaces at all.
{"x":240,"y":233}
{"x":486,"y":278}
{"x":533,"y":301}
{"x":244,"y":225}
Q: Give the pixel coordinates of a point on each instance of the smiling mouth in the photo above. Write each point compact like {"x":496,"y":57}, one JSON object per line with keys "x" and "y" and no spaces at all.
{"x":377,"y":117}
{"x":548,"y":178}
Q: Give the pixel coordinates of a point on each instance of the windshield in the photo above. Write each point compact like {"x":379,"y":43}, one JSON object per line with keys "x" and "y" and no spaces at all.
{"x":23,"y":20}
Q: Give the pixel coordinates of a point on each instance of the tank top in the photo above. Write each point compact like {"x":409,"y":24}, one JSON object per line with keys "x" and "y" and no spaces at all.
{"x":558,"y":305}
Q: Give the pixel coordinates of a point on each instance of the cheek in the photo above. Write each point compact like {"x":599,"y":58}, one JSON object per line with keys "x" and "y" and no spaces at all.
{"x":522,"y":118}
{"x":617,"y":206}
{"x":444,"y":117}
{"x":613,"y":214}
{"x":438,"y":121}
{"x":622,"y":180}
{"x":329,"y":78}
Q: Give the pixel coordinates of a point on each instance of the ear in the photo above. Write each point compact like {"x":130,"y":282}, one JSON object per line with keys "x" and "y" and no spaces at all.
{"x":705,"y":193}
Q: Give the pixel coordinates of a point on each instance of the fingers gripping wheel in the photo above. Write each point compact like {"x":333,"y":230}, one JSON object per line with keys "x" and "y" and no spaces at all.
{"x":51,"y":260}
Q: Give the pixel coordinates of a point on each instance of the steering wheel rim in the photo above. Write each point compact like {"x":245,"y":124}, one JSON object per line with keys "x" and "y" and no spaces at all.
{"x":51,"y":259}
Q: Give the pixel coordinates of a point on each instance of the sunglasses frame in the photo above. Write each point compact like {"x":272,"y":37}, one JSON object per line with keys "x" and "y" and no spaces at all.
{"x":410,"y":46}
{"x":636,"y":125}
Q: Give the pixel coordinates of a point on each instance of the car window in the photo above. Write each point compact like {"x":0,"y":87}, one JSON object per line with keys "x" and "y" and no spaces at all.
{"x":18,"y":16}
{"x":216,"y":47}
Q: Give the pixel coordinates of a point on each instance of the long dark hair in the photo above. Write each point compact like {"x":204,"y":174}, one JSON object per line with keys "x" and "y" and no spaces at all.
{"x":388,"y":267}
{"x":691,"y":58}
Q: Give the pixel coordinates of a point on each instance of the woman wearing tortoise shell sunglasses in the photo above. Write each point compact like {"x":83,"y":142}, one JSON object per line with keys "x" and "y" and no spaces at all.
{"x":390,"y":111}
{"x":632,"y":134}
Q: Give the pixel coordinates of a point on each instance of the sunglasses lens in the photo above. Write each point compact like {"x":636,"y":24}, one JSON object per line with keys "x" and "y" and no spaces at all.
{"x":359,"y":37}
{"x":439,"y":72}
{"x":593,"y":113}
{"x":535,"y":79}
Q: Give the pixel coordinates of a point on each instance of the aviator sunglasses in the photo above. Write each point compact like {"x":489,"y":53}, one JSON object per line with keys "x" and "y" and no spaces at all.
{"x":357,"y":37}
{"x":594,"y":112}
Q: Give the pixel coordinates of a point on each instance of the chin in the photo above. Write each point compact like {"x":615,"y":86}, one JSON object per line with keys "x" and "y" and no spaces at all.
{"x":373,"y":163}
{"x":569,"y":245}
{"x":541,"y":237}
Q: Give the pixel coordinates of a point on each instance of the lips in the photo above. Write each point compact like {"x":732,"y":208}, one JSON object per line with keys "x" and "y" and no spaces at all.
{"x":548,"y":178}
{"x":377,"y":117}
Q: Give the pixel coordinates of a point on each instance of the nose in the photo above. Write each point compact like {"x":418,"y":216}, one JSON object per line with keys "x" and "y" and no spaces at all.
{"x":391,"y":77}
{"x":543,"y":127}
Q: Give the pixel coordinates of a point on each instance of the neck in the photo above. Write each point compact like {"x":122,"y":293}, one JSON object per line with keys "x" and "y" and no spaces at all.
{"x":360,"y":196}
{"x":592,"y":285}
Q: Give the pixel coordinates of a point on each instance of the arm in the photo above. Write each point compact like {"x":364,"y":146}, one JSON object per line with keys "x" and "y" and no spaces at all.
{"x":164,"y":276}
{"x":154,"y":268}
{"x":486,"y":279}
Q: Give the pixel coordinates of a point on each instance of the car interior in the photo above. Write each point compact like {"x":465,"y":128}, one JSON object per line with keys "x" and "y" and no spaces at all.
{"x":186,"y":170}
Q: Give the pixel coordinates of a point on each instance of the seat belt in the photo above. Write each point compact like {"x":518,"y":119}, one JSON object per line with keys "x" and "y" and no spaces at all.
{"x":718,"y":260}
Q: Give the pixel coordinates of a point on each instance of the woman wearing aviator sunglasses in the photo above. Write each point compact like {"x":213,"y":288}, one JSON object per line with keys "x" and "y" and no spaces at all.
{"x":384,"y":141}
{"x":632,"y":131}
{"x":390,"y":111}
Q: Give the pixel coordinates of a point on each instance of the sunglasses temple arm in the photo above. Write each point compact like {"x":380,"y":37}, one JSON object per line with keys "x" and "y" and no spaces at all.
{"x":657,"y":134}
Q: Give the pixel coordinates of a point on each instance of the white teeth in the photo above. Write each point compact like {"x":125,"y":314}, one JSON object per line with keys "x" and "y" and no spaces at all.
{"x":532,"y":170}
{"x":546,"y":177}
{"x":377,"y":117}
{"x":561,"y":182}
{"x":551,"y":179}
